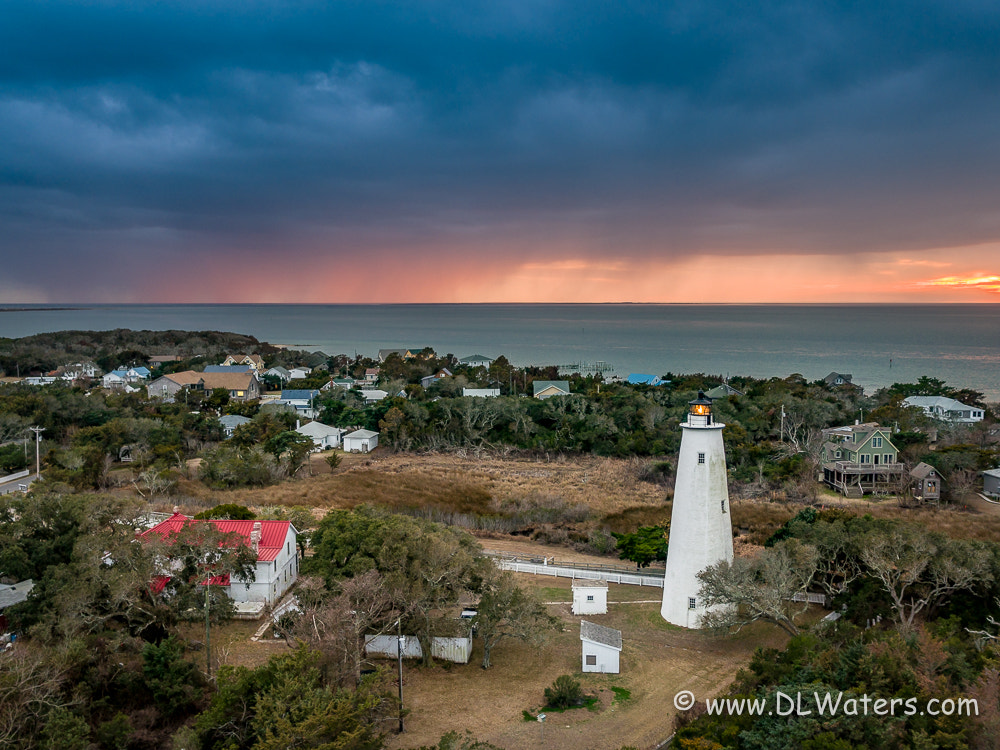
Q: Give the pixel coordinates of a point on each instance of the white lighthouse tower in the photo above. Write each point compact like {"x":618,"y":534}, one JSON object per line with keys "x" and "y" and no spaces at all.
{"x":701,"y":533}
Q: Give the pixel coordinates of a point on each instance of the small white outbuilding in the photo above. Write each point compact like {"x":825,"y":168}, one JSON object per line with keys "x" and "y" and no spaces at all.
{"x":590,"y":597}
{"x":360,"y":441}
{"x":601,"y":648}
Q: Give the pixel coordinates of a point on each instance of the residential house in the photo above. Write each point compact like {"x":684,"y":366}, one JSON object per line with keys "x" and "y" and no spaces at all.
{"x":481,"y":392}
{"x":429,"y":380}
{"x":280,"y":373}
{"x":322,"y":435}
{"x":77,"y":371}
{"x":945,"y":409}
{"x":371,"y":376}
{"x":230,"y":422}
{"x":40,"y":380}
{"x":548,"y":388}
{"x":242,"y":386}
{"x":299,"y":373}
{"x":273,"y":541}
{"x":476,"y":360}
{"x":722,"y":391}
{"x":991,"y":483}
{"x":838,"y":379}
{"x":360,"y":441}
{"x":590,"y":597}
{"x":122,"y":376}
{"x":254,"y":360}
{"x":925,"y":483}
{"x":303,"y":400}
{"x":345,"y":383}
{"x":601,"y":648}
{"x":859,"y":459}
{"x":374,"y":395}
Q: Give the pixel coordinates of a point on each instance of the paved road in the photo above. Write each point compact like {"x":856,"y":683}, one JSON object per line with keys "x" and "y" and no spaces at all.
{"x":16,"y":484}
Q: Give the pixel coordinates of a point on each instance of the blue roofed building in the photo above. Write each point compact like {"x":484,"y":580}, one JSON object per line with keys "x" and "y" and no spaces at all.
{"x":641,"y":379}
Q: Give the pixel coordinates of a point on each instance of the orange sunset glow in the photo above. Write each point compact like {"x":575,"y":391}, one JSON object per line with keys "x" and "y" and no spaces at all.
{"x":566,"y":152}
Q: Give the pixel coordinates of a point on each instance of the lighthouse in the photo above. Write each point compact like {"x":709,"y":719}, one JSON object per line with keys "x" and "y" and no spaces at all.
{"x":701,"y":532}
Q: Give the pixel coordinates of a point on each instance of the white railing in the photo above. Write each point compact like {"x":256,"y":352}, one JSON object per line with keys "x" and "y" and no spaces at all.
{"x":628,"y":579}
{"x":811,"y":598}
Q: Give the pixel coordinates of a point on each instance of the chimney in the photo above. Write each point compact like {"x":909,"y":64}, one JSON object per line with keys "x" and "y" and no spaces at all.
{"x":255,"y":537}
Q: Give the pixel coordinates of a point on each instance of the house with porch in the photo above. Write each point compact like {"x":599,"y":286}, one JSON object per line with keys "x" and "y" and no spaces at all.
{"x":925,"y":484}
{"x":860,"y":459}
{"x":476,"y":360}
{"x":945,"y":409}
{"x":277,"y":558}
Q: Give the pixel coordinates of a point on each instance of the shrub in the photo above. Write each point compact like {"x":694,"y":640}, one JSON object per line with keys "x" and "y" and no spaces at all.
{"x":565,"y":692}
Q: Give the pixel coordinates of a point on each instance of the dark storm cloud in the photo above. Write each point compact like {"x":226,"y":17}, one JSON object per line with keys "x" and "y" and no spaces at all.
{"x":173,"y":131}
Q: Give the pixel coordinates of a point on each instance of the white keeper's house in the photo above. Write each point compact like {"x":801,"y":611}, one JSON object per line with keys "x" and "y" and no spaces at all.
{"x":274,"y":543}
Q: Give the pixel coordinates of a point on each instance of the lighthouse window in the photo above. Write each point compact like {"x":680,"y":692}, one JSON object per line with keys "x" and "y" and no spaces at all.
{"x":701,"y":458}
{"x":723,"y":505}
{"x":692,"y":603}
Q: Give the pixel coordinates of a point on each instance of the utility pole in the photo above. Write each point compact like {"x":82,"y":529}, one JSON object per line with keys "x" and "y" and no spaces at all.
{"x":399,"y":658}
{"x":38,"y":440}
{"x":208,"y":627}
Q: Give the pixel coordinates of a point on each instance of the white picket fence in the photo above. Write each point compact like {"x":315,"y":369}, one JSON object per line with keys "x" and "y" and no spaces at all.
{"x":574,"y":573}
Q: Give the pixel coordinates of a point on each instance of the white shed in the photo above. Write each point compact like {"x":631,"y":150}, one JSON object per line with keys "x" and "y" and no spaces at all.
{"x":590,"y":597}
{"x":360,"y":441}
{"x":601,"y":647}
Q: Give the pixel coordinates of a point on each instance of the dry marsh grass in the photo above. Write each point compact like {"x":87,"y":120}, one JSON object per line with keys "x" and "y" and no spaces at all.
{"x":570,"y":497}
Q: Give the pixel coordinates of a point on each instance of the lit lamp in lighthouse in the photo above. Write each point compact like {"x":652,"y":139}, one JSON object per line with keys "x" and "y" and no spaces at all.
{"x":701,"y":532}
{"x":701,"y":411}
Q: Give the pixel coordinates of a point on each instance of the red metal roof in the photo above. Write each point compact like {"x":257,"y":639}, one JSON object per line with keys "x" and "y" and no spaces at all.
{"x":272,"y":533}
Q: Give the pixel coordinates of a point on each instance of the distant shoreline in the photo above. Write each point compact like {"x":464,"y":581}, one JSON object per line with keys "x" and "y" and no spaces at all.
{"x":37,"y":309}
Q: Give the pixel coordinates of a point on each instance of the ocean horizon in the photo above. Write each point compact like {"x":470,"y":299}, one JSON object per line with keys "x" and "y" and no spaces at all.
{"x":877,"y":343}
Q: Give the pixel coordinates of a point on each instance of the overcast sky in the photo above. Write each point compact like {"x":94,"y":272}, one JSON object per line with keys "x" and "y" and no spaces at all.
{"x":499,"y":151}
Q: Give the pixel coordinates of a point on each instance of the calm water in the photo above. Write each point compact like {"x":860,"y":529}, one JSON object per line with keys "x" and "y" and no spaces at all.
{"x":878,"y":344}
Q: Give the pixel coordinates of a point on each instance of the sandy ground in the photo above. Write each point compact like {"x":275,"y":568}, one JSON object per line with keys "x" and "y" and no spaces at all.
{"x":657,"y":661}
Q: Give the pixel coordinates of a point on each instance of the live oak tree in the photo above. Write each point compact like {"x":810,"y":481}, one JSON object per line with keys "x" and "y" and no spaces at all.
{"x":918,"y":569}
{"x":335,"y":623}
{"x":758,"y":588}
{"x":425,"y":566}
{"x":507,"y":611}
